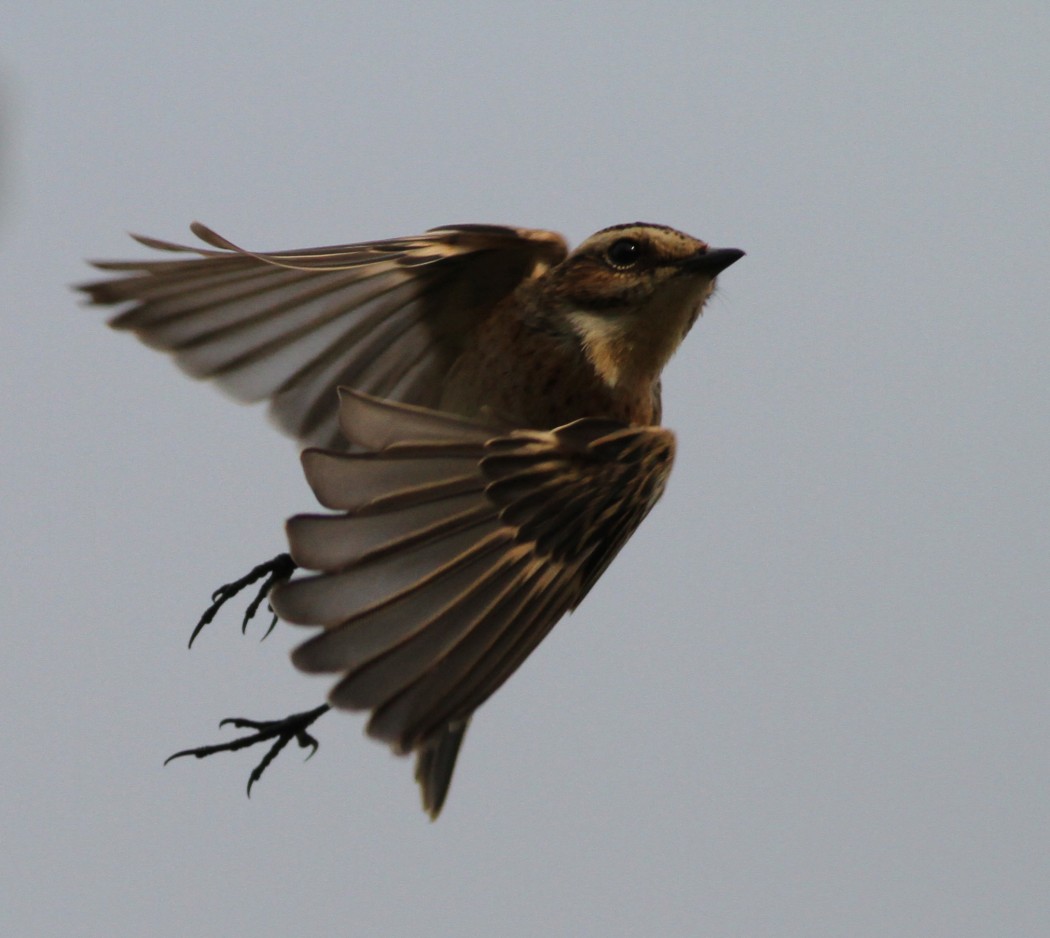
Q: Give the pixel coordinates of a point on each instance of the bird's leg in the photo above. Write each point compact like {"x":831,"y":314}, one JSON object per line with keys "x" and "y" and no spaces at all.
{"x":275,"y":571}
{"x":282,"y":732}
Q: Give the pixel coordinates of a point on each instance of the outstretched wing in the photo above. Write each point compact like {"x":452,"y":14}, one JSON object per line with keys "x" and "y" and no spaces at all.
{"x":387,"y":317}
{"x":456,"y":550}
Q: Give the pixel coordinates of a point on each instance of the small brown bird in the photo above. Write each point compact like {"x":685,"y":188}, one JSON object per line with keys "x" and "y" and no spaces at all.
{"x":494,"y":443}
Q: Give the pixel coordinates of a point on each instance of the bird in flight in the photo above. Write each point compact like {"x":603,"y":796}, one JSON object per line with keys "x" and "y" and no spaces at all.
{"x":481,"y":410}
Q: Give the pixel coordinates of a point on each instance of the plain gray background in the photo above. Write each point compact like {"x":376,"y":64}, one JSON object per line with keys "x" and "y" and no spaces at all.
{"x":810,"y":698}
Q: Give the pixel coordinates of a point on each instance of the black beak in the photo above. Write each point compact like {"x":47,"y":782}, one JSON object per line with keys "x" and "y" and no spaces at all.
{"x":712,"y":261}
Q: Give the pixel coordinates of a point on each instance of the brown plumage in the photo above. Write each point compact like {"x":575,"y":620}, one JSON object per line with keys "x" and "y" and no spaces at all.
{"x":498,"y":447}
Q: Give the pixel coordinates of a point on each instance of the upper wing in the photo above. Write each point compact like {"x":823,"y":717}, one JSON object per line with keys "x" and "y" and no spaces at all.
{"x":458,"y":548}
{"x":387,"y":317}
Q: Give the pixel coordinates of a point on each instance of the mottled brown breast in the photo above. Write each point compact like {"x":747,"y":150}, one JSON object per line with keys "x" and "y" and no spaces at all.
{"x":532,"y":378}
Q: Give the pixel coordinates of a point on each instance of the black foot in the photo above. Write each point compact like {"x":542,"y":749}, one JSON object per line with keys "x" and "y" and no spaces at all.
{"x":282,"y":732}
{"x":277,"y":570}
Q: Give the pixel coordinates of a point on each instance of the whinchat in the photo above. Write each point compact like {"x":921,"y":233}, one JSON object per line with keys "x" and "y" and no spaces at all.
{"x":494,"y":441}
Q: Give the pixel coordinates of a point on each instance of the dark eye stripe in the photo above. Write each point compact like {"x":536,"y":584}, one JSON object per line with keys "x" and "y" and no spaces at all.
{"x":599,"y":302}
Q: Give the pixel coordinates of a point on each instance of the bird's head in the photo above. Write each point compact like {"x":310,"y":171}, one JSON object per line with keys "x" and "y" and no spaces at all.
{"x":630,"y":293}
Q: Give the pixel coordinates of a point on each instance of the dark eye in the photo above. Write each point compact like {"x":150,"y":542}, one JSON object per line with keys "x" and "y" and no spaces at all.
{"x":624,"y":253}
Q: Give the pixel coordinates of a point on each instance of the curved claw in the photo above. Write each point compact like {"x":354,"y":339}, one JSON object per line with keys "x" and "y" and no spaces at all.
{"x":277,"y":570}
{"x":282,"y":732}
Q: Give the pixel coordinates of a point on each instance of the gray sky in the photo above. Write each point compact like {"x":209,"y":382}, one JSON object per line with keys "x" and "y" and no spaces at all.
{"x":810,"y":697}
